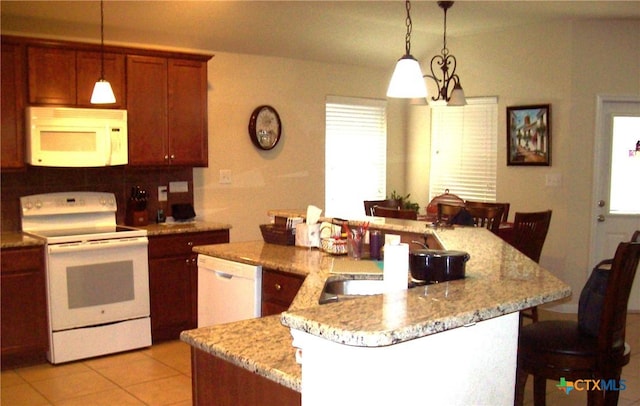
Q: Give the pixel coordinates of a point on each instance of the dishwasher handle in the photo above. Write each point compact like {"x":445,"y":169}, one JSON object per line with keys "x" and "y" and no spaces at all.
{"x":223,"y":275}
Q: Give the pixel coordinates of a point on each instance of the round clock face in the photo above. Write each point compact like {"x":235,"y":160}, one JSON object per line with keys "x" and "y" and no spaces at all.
{"x":265,"y":127}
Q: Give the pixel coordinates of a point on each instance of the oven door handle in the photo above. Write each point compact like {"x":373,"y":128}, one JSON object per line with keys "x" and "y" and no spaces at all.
{"x":97,"y":245}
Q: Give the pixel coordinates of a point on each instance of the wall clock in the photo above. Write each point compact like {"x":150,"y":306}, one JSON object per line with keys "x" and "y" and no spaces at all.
{"x":265,"y":127}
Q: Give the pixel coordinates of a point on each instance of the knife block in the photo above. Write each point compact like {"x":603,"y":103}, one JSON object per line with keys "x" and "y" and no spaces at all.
{"x":136,"y":217}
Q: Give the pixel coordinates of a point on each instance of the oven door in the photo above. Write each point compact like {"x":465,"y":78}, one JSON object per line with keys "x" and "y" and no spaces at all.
{"x":97,"y":282}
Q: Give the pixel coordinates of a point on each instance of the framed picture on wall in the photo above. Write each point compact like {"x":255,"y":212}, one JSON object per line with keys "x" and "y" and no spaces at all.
{"x":529,"y":135}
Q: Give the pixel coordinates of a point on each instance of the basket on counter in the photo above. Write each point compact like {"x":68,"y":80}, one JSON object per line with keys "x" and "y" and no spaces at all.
{"x":276,"y":234}
{"x":334,"y":246}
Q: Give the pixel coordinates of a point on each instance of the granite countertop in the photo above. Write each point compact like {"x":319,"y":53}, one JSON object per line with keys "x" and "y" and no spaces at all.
{"x":181,"y":228}
{"x":19,"y":239}
{"x":500,"y":280}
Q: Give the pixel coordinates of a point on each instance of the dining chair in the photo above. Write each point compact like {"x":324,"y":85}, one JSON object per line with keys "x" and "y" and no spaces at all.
{"x":559,"y":350}
{"x":529,"y":232}
{"x":369,"y":204}
{"x":488,"y":217}
{"x":381,"y":211}
{"x":505,"y":207}
{"x":528,"y":236}
{"x":446,"y":212}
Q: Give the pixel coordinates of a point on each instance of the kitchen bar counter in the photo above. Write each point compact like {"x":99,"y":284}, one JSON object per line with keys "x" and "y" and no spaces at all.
{"x":500,"y":280}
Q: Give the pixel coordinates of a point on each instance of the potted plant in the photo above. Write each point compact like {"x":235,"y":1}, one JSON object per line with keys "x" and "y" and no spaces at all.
{"x":404,"y":201}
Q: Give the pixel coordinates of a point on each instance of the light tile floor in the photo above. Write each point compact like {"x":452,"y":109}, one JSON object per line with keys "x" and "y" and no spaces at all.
{"x":161,"y":375}
{"x":158,"y":375}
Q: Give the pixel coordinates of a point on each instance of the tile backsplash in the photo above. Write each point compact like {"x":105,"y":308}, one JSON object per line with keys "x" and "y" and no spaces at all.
{"x":117,"y":179}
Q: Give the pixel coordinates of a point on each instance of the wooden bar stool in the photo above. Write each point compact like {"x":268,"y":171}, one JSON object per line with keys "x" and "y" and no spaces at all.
{"x":559,"y":349}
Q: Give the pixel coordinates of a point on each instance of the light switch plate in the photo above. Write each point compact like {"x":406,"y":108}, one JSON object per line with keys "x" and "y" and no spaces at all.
{"x":162,"y":193}
{"x":178,"y":187}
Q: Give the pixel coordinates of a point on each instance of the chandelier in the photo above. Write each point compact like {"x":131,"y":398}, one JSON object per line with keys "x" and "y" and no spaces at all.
{"x":448,"y":82}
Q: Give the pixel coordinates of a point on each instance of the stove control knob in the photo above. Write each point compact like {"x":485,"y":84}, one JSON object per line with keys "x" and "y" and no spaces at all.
{"x":38,"y":204}
{"x":28,"y":205}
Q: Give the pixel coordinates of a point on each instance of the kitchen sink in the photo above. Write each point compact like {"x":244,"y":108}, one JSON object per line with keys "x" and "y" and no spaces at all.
{"x":337,"y":289}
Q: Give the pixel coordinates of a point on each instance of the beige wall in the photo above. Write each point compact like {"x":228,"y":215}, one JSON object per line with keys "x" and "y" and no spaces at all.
{"x":290,"y":176}
{"x":566,"y":65}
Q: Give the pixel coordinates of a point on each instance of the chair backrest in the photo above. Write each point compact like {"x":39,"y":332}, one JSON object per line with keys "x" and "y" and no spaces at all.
{"x":369,"y":204}
{"x":505,"y":207}
{"x":447,"y":211}
{"x":614,"y":310}
{"x":530,"y":231}
{"x":381,"y":211}
{"x":488,"y":217}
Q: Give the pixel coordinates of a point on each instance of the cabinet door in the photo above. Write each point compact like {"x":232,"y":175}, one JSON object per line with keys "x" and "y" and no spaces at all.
{"x":147,"y":110}
{"x":12,"y":135}
{"x":278,"y":290}
{"x":89,"y":66}
{"x":170,"y":284}
{"x":187,"y":115}
{"x":52,"y":76}
{"x":23,"y":305}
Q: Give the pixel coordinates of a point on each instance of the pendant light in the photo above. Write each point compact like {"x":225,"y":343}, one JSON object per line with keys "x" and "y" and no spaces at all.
{"x":446,"y":62}
{"x":407,"y":81}
{"x":102,"y":92}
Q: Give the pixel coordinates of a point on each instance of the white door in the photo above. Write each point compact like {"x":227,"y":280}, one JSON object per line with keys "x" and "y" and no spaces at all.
{"x":616,"y":210}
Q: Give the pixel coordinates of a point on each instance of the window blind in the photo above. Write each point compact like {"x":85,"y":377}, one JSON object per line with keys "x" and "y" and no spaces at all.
{"x":464,"y":150}
{"x":355,"y":154}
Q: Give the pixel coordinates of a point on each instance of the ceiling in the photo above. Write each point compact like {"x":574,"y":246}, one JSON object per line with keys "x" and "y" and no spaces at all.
{"x":368,"y":33}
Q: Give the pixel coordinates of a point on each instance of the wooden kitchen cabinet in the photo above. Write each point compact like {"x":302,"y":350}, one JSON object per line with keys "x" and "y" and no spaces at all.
{"x":23,"y":306}
{"x":13,"y":96}
{"x":173,"y":281}
{"x":65,"y":77}
{"x":88,"y":67}
{"x":167,"y":104}
{"x":217,"y":382}
{"x":278,"y":290}
{"x":52,"y":75}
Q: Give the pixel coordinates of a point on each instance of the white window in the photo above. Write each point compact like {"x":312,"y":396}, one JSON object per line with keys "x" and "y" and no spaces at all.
{"x":355,"y":154}
{"x":464,"y":150}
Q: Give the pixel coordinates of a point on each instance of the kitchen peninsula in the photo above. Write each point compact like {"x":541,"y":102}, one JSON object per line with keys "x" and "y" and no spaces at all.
{"x":451,"y":342}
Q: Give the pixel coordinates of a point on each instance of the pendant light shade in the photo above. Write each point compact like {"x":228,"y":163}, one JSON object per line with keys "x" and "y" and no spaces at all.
{"x":102,"y":91}
{"x":407,"y":81}
{"x":457,"y":97}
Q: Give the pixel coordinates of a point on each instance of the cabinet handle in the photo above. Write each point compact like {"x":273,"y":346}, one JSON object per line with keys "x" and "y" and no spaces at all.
{"x":190,"y":243}
{"x":277,"y":287}
{"x":173,"y":156}
{"x":166,"y":157}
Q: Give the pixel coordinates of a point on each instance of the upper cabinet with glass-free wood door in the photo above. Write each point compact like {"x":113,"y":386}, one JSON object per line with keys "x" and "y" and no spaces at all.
{"x":167,"y":105}
{"x":65,"y":76}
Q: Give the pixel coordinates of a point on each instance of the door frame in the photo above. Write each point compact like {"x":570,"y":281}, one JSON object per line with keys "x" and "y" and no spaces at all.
{"x":601,"y":100}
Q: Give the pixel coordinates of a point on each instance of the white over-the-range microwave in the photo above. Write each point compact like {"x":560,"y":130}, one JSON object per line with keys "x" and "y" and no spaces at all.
{"x":75,"y":137}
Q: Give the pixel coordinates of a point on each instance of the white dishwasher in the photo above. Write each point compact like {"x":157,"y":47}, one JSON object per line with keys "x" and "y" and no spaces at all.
{"x":227,"y":291}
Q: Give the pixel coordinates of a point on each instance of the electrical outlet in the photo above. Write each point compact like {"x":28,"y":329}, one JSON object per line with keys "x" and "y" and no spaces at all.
{"x":553,"y":180}
{"x":162,"y":193}
{"x":225,"y":176}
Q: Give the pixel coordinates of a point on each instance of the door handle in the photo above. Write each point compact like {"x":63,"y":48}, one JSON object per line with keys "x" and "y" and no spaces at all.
{"x":600,"y":218}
